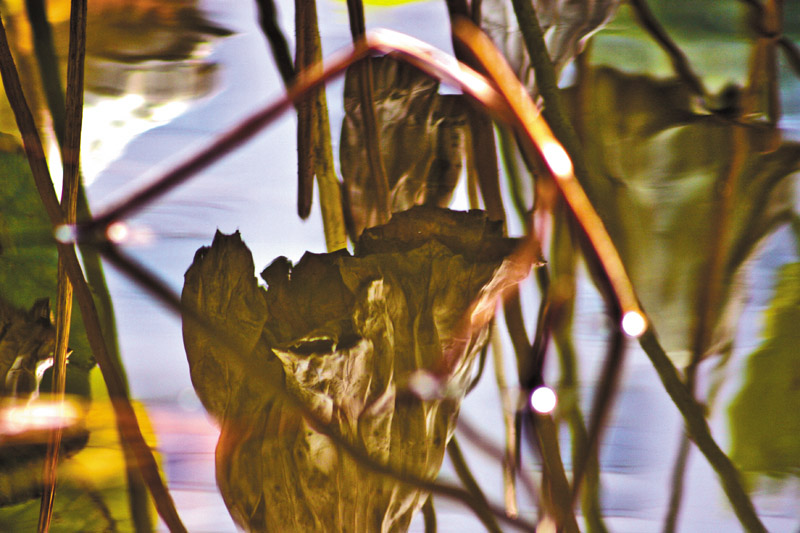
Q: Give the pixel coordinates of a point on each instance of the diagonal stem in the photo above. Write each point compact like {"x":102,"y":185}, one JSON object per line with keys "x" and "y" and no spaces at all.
{"x":466,"y":477}
{"x":700,"y":433}
{"x":679,"y":62}
{"x":69,"y":205}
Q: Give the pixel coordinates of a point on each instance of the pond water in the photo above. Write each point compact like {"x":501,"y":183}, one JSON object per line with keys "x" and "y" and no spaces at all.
{"x":168,"y":110}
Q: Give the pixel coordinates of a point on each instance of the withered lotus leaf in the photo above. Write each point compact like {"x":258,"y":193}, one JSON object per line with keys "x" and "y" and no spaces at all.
{"x":422,"y":137}
{"x":343,"y":334}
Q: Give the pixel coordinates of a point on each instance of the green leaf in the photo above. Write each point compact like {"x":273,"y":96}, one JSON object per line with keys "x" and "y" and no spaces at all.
{"x":764,"y":416}
{"x":345,"y":335}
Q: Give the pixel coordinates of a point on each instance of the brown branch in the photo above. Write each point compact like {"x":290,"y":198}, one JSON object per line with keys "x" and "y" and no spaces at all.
{"x":468,"y":480}
{"x":44,"y":50}
{"x":536,"y":134}
{"x":69,"y":205}
{"x":27,"y":128}
{"x":308,"y":52}
{"x":429,"y":515}
{"x":515,"y":325}
{"x":127,"y":423}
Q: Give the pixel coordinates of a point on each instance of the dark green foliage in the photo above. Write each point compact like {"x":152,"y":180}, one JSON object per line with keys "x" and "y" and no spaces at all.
{"x":29,"y":260}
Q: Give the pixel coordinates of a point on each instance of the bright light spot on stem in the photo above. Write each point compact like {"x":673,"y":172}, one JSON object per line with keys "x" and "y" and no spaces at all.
{"x":634,"y":324}
{"x":117,"y":232}
{"x":543,"y":400}
{"x":557,"y":159}
{"x":65,"y":234}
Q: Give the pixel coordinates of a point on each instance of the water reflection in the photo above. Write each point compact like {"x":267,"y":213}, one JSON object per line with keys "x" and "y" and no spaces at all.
{"x":420,"y":134}
{"x":659,"y":154}
{"x":660,"y":175}
{"x":342,"y":336}
{"x":27,"y":341}
{"x":145,"y":63}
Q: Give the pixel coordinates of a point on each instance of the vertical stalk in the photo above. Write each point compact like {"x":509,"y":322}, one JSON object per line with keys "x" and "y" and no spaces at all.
{"x":676,"y":484}
{"x":508,"y":153}
{"x":468,"y":480}
{"x":429,"y":514}
{"x":63,"y":320}
{"x":314,"y":152}
{"x":509,"y":408}
{"x":69,"y":206}
{"x":556,"y":491}
{"x":563,"y":262}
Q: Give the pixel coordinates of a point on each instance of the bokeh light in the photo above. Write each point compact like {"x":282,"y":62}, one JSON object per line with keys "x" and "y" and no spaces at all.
{"x":117,"y":232}
{"x":557,"y":159}
{"x":634,"y":324}
{"x":543,"y":400}
{"x":65,"y":233}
